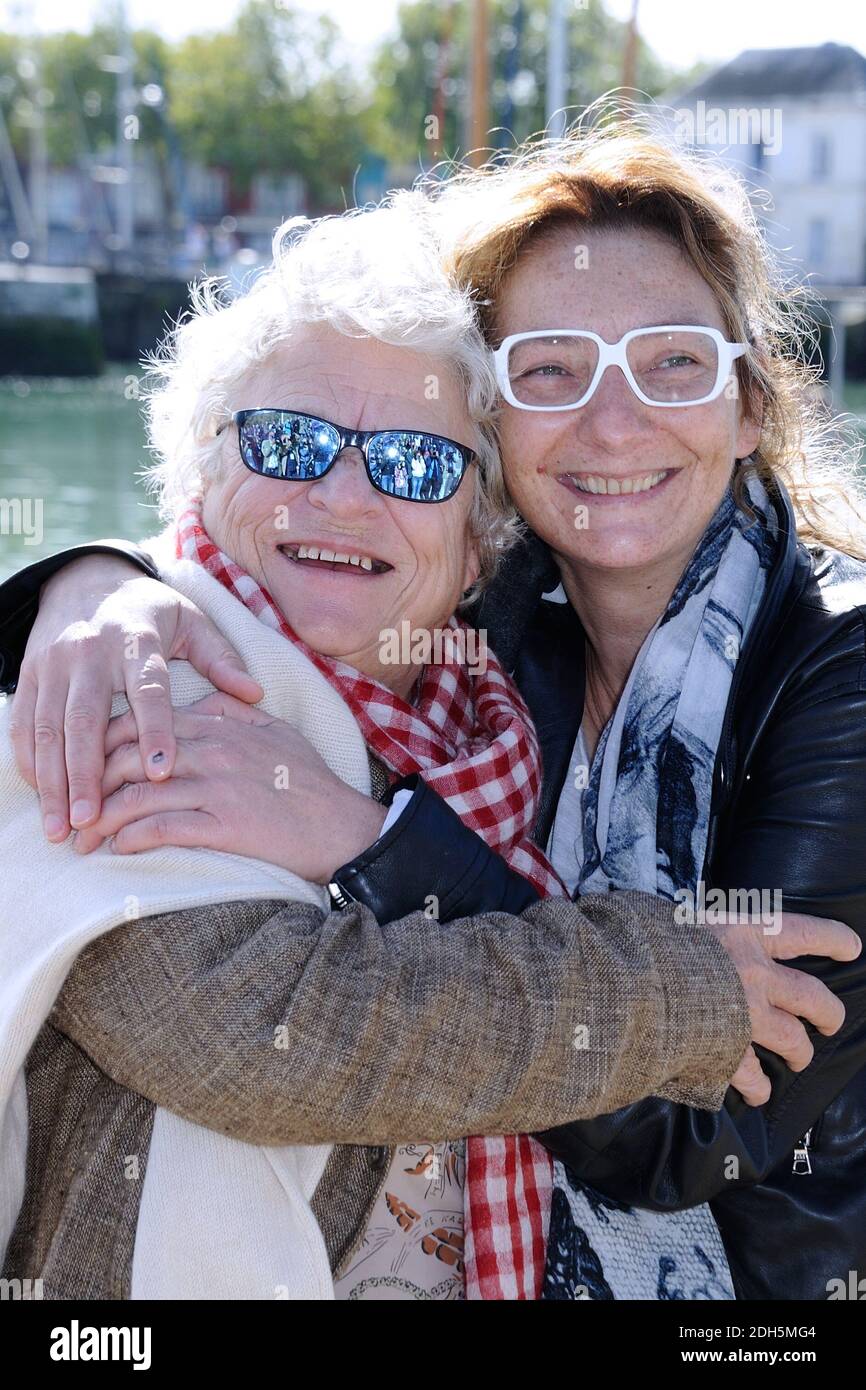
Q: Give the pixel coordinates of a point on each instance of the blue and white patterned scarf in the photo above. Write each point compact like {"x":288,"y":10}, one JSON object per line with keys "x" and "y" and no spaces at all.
{"x":645,"y":824}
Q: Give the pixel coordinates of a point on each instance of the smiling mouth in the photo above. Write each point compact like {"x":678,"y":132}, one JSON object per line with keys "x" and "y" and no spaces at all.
{"x":337,"y":561}
{"x":599,"y":486}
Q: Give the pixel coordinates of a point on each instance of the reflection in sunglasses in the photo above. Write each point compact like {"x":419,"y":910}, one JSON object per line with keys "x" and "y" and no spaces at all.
{"x":296,"y":447}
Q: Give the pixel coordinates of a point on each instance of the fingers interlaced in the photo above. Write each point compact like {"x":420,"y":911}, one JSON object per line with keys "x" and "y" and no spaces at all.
{"x":124,"y":729}
{"x":125,"y":764}
{"x":138,"y":799}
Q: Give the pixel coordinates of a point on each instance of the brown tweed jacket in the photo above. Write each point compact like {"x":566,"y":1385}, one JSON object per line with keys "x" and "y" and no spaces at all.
{"x":396,"y":1030}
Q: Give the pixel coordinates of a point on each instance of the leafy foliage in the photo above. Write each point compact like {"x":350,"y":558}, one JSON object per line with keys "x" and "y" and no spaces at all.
{"x":277,"y":91}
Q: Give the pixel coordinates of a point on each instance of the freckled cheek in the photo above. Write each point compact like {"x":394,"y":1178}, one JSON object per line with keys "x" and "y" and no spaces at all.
{"x":711,"y":437}
{"x":535,"y":491}
{"x":522,"y":476}
{"x":715,"y":458}
{"x":536,"y":449}
{"x":515,"y":444}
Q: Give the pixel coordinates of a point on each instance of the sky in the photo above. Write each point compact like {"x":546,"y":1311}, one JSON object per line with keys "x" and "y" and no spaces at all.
{"x":680,"y":31}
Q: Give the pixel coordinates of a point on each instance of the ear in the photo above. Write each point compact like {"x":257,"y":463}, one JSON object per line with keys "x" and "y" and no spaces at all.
{"x":749,"y":429}
{"x":473,"y":566}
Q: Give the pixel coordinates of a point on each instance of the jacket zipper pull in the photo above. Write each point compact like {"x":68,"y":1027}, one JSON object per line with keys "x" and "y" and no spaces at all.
{"x":802,"y":1165}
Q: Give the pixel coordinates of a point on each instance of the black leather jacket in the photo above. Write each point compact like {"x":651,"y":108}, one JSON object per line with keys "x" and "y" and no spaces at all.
{"x":786,"y":1182}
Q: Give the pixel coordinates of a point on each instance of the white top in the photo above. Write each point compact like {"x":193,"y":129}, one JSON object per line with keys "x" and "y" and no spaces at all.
{"x":219,"y":1218}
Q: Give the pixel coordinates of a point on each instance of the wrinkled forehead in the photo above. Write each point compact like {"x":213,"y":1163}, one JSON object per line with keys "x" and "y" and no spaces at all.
{"x":360,"y":383}
{"x":607,"y":279}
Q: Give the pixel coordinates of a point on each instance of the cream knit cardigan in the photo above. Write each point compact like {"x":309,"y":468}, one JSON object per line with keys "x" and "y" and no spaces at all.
{"x":219,"y":1219}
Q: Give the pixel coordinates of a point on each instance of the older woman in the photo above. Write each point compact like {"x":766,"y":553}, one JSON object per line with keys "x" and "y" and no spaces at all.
{"x":664,"y":579}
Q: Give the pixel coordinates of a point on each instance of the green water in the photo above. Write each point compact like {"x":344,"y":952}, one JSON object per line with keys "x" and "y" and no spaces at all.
{"x":70,"y":453}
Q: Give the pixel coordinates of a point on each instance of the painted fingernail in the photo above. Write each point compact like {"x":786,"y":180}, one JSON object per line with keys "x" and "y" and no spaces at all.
{"x":81,"y":811}
{"x":53,"y":826}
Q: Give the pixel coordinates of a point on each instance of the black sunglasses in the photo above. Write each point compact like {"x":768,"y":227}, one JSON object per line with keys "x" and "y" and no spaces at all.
{"x":290,"y":445}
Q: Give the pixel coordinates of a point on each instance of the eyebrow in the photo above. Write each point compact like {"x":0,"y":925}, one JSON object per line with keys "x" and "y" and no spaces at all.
{"x":694,"y":320}
{"x":690,"y":319}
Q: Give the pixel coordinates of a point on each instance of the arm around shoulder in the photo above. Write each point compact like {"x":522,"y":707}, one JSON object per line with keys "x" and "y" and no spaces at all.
{"x":274,"y":1024}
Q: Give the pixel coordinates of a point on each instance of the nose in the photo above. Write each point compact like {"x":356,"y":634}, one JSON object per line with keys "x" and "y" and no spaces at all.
{"x":613,"y":415}
{"x":345,"y":490}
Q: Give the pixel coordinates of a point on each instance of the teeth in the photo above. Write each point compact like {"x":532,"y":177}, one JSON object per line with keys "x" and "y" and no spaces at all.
{"x":614,"y":487}
{"x":312,"y":552}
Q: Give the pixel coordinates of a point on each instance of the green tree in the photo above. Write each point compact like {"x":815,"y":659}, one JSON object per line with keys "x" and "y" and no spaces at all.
{"x":271,"y":94}
{"x":407,"y":73}
{"x":66,"y":76}
{"x":278,"y":92}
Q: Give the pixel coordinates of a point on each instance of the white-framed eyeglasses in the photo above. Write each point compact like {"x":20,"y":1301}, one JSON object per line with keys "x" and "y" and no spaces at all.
{"x":559,"y":368}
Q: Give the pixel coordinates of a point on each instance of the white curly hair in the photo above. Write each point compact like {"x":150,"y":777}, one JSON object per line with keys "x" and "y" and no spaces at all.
{"x":372,"y":272}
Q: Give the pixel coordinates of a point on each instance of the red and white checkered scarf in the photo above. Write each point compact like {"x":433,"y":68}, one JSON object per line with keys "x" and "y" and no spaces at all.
{"x":471,"y":738}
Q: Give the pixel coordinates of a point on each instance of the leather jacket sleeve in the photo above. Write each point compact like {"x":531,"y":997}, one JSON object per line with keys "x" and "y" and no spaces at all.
{"x":19,"y":598}
{"x":799,"y":826}
{"x":430,"y":861}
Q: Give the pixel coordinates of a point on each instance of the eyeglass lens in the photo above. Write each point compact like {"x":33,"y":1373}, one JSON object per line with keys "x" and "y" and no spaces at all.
{"x":557,"y":370}
{"x":402,"y":463}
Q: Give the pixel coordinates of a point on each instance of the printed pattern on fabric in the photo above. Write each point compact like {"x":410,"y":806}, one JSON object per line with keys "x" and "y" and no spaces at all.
{"x":644,"y":824}
{"x":413,"y":1244}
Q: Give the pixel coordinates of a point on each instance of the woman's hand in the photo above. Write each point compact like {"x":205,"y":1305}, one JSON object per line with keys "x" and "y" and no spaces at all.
{"x":243,"y":782}
{"x":103,"y":628}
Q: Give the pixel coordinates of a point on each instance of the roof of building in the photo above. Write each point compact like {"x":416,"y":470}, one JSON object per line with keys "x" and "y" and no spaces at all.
{"x":762,"y":72}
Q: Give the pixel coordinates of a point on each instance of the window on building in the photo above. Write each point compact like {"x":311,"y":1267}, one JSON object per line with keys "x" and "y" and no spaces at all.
{"x":756,"y":156}
{"x":817,"y":252}
{"x":821,"y":152}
